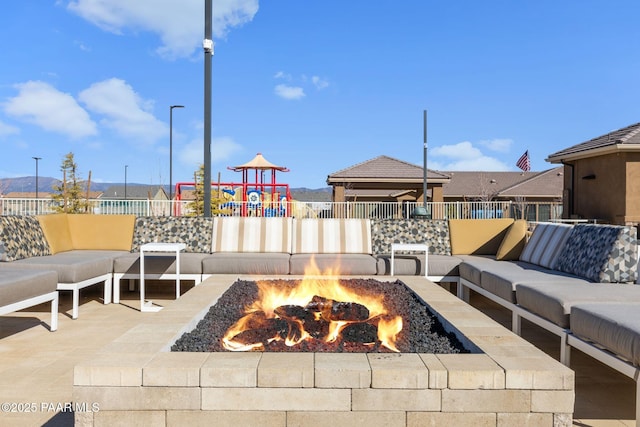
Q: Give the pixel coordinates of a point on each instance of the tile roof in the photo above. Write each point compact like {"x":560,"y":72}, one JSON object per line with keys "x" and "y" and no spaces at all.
{"x":548,"y":183}
{"x":624,"y":138}
{"x":386,"y":168}
{"x":504,"y":184}
{"x":135,"y":192}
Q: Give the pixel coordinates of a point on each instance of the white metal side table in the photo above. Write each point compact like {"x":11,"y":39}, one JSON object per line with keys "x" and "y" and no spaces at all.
{"x":147,"y":306}
{"x":418,"y":247}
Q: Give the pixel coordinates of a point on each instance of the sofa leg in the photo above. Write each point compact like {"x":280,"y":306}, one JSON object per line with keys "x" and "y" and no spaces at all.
{"x":637,"y":401}
{"x":516,"y":323}
{"x":116,"y":289}
{"x":462,"y":292}
{"x":76,"y":303}
{"x":107,"y":291}
{"x":565,"y":351}
{"x":54,"y":314}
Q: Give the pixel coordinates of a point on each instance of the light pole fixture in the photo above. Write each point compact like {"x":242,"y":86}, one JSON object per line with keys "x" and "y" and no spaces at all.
{"x":421,"y":211}
{"x":424,"y":160}
{"x":36,"y":159}
{"x":171,"y":151}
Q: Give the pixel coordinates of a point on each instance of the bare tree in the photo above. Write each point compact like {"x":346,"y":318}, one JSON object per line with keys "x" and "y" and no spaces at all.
{"x":486,"y":189}
{"x":521,"y":207}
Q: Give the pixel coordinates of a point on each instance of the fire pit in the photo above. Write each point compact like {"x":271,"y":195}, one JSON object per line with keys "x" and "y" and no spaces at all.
{"x":320,"y":315}
{"x":504,"y":380}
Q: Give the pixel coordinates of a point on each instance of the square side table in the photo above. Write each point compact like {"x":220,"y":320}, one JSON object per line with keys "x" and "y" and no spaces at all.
{"x":418,"y":247}
{"x":147,"y":306}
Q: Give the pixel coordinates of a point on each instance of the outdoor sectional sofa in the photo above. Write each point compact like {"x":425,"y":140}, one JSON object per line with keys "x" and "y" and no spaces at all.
{"x":575,"y":281}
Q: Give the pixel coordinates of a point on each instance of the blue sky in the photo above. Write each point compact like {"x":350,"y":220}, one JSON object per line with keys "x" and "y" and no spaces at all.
{"x":316,"y":86}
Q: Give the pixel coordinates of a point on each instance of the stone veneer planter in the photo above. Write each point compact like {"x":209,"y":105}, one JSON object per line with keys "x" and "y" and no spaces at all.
{"x":135,"y":379}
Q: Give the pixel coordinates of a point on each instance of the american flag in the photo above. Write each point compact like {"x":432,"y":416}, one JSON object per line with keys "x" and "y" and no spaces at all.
{"x":523,"y":162}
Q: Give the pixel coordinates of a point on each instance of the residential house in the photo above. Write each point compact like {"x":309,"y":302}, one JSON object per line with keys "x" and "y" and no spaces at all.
{"x":602,"y":177}
{"x":535,"y":196}
{"x":385,"y":179}
{"x":136,"y":192}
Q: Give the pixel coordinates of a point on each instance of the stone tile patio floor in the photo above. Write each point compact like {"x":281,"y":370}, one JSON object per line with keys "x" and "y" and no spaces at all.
{"x":36,"y":366}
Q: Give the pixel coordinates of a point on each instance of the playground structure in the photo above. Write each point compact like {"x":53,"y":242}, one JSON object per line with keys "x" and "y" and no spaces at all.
{"x":264,"y":196}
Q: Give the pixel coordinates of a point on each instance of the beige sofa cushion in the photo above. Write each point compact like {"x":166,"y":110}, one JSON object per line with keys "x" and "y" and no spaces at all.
{"x":477,"y":236}
{"x":545,"y":244}
{"x":56,"y":231}
{"x":615,"y":326}
{"x":332,"y":236}
{"x":251,"y":234}
{"x":101,"y":232}
{"x":513,"y":242}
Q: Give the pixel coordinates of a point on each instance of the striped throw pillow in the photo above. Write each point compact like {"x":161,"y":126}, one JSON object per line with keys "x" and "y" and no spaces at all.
{"x":332,"y":236}
{"x":545,"y":244}
{"x":251,"y":234}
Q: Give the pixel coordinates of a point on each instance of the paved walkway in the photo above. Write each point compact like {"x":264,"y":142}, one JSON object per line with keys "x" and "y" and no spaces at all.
{"x":36,"y":366}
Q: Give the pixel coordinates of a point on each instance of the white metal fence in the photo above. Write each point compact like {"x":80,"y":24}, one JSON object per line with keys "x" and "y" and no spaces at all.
{"x":438,"y":210}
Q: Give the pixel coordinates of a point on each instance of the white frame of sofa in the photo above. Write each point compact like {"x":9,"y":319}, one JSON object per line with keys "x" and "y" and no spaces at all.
{"x":610,"y":359}
{"x":30,"y":302}
{"x":517,"y":313}
{"x":75,"y":289}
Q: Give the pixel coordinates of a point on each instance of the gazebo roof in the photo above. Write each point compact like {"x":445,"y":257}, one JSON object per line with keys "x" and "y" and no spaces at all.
{"x":258,"y":162}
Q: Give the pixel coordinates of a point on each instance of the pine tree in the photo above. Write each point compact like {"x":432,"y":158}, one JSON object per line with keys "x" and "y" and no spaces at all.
{"x":196,"y":208}
{"x":70,"y":192}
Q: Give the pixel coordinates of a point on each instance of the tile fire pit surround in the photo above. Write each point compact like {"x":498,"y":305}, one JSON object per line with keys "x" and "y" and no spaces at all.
{"x":137,"y":380}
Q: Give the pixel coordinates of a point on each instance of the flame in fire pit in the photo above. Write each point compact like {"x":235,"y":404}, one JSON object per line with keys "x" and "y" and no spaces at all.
{"x":317,"y":308}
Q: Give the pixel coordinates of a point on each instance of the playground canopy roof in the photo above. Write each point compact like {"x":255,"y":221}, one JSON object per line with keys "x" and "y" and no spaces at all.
{"x":258,"y":162}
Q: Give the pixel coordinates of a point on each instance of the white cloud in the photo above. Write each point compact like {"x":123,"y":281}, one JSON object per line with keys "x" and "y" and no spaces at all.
{"x":123,"y":110}
{"x":463,"y":156}
{"x":461,"y":150}
{"x":289,"y":92}
{"x":282,"y":75}
{"x":6,"y":130}
{"x":222,"y":149}
{"x":43,"y":105}
{"x":319,"y":83}
{"x":180,"y":24}
{"x":502,"y":145}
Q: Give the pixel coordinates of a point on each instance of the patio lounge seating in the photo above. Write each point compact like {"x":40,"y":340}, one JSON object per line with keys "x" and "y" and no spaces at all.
{"x":21,"y":289}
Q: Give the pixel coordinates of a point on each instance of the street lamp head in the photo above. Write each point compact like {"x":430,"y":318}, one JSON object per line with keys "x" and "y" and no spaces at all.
{"x":176,"y":106}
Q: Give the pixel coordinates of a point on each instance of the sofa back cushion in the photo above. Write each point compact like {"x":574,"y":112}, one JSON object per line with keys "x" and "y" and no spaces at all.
{"x":477,"y":236}
{"x":513,"y":243}
{"x":332,"y":236}
{"x":56,"y":230}
{"x":601,"y":253}
{"x":195,"y":232}
{"x":21,"y":237}
{"x":545,"y":244}
{"x":101,"y":232}
{"x":434,"y":233}
{"x":252,"y":234}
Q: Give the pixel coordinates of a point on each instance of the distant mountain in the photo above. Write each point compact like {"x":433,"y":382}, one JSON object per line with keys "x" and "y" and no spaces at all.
{"x":311,"y":195}
{"x":27,"y":184}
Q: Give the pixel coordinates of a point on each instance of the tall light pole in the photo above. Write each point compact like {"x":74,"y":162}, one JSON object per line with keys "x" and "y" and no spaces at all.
{"x":424,"y":176}
{"x":36,"y":159}
{"x":171,"y":152}
{"x":207,"y":44}
{"x":125,"y":181}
